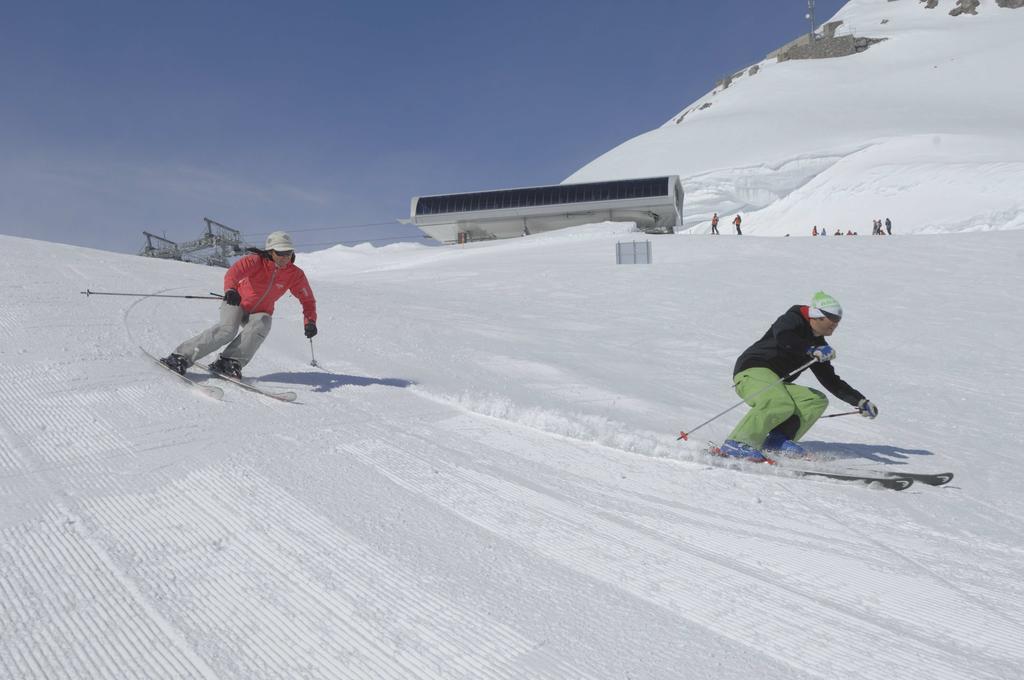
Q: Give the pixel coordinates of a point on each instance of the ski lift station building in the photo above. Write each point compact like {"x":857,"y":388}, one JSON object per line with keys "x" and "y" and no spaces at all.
{"x":655,"y":204}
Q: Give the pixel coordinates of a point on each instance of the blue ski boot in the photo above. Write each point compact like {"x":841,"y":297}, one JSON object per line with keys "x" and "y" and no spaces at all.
{"x":777,"y":441}
{"x":735,"y":449}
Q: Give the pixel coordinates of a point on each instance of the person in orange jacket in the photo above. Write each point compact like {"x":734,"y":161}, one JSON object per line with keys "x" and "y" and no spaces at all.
{"x":251,"y":287}
{"x":736,"y":221}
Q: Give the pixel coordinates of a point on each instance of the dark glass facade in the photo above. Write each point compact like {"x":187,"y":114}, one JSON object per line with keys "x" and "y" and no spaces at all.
{"x":538,"y":196}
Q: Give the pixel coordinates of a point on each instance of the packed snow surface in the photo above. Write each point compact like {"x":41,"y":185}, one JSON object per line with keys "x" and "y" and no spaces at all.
{"x":482,"y":479}
{"x":923,"y":128}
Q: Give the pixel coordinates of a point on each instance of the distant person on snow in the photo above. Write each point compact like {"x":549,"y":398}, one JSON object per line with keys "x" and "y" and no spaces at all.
{"x":814,"y":230}
{"x":781,"y":412}
{"x":736,"y":221}
{"x":251,"y":287}
{"x":714,"y":224}
{"x":888,"y":226}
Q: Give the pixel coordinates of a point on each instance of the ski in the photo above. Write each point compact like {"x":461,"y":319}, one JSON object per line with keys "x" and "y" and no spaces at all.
{"x":895,"y":482}
{"x":287,"y":396}
{"x":931,"y":479}
{"x":885,"y":480}
{"x":209,"y":390}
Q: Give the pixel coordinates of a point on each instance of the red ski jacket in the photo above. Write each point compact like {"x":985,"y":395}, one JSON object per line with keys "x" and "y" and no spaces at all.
{"x":261,"y":284}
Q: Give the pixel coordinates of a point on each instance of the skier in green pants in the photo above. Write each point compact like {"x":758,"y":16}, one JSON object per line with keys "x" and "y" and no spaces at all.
{"x":781,"y":412}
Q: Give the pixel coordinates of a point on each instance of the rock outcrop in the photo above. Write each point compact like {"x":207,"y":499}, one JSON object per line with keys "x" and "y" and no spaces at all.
{"x":965,"y":7}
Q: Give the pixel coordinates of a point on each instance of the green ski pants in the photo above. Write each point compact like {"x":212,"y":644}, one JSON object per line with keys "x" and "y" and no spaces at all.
{"x":774,"y":405}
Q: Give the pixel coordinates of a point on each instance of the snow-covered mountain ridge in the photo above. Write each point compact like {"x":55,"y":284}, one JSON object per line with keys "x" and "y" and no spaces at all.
{"x":922,"y":128}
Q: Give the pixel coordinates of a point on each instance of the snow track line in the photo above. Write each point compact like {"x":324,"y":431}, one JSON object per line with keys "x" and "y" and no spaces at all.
{"x":1005,"y":643}
{"x":223,"y":604}
{"x":918,"y":566}
{"x":975,"y":600}
{"x":568,"y":421}
{"x":12,"y":450}
{"x":70,"y":431}
{"x":997,"y":514}
{"x":560,"y":529}
{"x":172,"y":635}
{"x":812,"y":542}
{"x":618,"y":503}
{"x":252,"y":559}
{"x":894,"y":625}
{"x":96,"y":628}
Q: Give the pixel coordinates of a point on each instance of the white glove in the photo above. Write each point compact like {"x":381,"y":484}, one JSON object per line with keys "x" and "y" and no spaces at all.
{"x":823,"y":353}
{"x":867,"y":409}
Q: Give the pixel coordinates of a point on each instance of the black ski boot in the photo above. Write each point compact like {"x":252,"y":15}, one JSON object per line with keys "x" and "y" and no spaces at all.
{"x":228,"y":367}
{"x":175,"y":362}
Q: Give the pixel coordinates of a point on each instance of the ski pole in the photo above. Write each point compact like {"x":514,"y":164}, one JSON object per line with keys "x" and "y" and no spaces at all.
{"x":686,"y":435}
{"x":312,"y":357}
{"x":213,"y":296}
{"x":845,"y":413}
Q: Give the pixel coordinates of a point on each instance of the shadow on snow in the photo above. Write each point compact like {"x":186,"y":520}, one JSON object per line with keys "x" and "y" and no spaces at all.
{"x":325,"y":382}
{"x":890,"y":455}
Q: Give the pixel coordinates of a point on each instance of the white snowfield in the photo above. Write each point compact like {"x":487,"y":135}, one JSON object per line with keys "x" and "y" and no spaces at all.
{"x":923,"y":128}
{"x":482,"y":481}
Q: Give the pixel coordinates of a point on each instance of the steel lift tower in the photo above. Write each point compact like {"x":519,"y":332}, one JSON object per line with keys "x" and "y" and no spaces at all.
{"x":215,"y":247}
{"x":165,"y":250}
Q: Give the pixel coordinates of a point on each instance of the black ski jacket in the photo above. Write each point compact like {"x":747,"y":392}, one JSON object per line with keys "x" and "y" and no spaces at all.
{"x":784,"y":348}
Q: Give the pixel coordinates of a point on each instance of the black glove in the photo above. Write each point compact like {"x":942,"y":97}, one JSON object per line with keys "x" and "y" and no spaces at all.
{"x":232,"y":297}
{"x":310,"y":329}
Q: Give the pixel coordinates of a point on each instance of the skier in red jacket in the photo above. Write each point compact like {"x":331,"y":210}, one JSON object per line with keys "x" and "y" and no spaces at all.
{"x":251,"y":287}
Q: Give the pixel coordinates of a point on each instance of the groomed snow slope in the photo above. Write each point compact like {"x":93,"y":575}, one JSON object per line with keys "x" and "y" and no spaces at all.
{"x":483,"y":481}
{"x":923,"y":128}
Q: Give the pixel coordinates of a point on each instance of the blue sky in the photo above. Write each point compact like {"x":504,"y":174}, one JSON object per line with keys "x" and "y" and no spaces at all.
{"x":318,"y":117}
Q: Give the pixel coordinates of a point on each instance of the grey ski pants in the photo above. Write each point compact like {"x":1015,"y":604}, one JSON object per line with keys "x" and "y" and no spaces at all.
{"x":255,"y":329}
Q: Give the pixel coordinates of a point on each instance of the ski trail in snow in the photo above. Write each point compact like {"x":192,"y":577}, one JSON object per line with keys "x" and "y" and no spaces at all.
{"x":76,"y":616}
{"x":677,"y":572}
{"x":576,"y":427}
{"x":916,"y":565}
{"x":69,"y":432}
{"x":13,"y":452}
{"x":913,"y":530}
{"x":305,"y":597}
